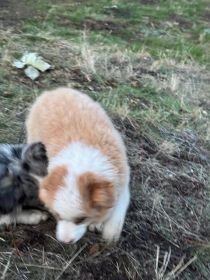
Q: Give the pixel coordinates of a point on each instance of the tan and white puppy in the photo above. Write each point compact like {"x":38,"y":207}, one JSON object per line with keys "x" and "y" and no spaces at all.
{"x":88,"y":174}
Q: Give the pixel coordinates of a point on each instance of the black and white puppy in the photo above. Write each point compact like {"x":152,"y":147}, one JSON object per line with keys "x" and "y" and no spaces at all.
{"x":21,"y":166}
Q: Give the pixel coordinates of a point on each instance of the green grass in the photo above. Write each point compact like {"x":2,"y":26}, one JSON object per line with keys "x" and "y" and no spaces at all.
{"x":157,"y":28}
{"x":153,"y":109}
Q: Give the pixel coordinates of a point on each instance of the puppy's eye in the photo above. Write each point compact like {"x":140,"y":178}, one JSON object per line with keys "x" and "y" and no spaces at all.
{"x":79,"y":220}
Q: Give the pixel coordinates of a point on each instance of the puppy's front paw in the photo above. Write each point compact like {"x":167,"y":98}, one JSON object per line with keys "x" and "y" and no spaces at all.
{"x":32,"y":217}
{"x":38,"y":216}
{"x":112,"y":230}
{"x":5,"y":220}
{"x":98,"y":228}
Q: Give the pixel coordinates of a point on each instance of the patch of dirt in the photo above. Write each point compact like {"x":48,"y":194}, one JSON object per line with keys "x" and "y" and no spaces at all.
{"x":181,"y":21}
{"x":149,"y":2}
{"x":206,"y":15}
{"x":96,"y":25}
{"x":118,"y":12}
{"x":169,"y":186}
{"x":13,"y":13}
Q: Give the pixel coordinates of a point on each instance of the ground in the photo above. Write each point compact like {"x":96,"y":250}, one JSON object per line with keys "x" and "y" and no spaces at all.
{"x":148,"y":63}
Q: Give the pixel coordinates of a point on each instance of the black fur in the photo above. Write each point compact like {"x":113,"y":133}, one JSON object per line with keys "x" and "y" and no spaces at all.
{"x":35,"y":159}
{"x":18,"y":165}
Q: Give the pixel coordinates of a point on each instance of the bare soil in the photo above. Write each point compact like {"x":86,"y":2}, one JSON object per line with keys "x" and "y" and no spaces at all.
{"x":13,"y":15}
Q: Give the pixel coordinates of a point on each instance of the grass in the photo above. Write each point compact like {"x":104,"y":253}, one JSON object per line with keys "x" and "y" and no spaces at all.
{"x":148,"y":64}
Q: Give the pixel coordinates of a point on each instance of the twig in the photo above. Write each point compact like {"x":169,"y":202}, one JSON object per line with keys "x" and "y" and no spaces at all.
{"x":186,"y":265}
{"x":41,"y":266}
{"x":70,"y":262}
{"x":157,"y":260}
{"x":6,"y":268}
{"x":175,"y":272}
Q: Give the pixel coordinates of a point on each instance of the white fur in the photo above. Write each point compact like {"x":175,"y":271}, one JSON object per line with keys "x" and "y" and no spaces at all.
{"x":6,"y":219}
{"x":69,"y":232}
{"x":80,"y":158}
{"x":29,"y":217}
{"x":113,"y":226}
{"x":96,"y":227}
{"x":68,"y":201}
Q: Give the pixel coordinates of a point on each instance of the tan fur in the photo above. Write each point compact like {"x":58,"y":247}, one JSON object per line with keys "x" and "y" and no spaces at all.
{"x":97,"y":193}
{"x":51,"y":184}
{"x":62,"y":116}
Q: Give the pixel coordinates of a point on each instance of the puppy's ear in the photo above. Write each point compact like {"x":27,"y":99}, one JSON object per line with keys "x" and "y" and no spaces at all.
{"x":97,"y":192}
{"x":35,"y":160}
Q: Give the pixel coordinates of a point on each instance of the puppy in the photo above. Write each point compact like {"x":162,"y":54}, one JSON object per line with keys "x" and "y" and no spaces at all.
{"x":88,"y":173}
{"x":20,"y":168}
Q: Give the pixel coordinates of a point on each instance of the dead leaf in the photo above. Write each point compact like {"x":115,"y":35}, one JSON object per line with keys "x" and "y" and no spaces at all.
{"x":31,"y":72}
{"x":34,"y":63}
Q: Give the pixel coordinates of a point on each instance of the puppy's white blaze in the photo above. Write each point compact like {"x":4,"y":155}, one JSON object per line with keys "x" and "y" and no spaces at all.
{"x":69,"y":232}
{"x":67,"y":201}
{"x":82,"y":158}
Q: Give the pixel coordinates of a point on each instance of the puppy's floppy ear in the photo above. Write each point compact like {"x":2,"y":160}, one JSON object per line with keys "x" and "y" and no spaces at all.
{"x":96,"y":191}
{"x":35,"y":160}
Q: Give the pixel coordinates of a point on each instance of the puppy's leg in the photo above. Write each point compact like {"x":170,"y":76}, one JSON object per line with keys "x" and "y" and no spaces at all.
{"x":96,"y":227}
{"x":27,"y":217}
{"x":6,"y":219}
{"x":112,"y":228}
{"x":31,"y":217}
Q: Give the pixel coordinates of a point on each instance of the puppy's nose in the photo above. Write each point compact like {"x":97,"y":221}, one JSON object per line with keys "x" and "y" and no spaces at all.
{"x":68,"y":241}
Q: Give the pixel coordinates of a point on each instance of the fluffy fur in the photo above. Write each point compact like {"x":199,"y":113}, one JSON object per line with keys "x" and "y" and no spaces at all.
{"x":87,"y":183}
{"x":20,"y":166}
